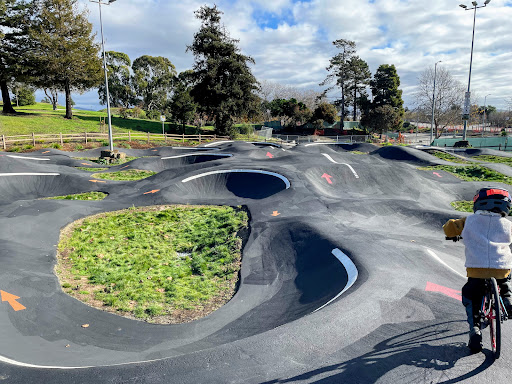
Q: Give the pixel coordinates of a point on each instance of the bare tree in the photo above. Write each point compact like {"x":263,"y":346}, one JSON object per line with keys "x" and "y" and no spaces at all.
{"x":270,"y":90}
{"x":449,"y":96}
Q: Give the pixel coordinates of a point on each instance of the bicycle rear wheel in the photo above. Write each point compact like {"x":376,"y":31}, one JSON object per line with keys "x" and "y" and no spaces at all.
{"x":495,"y":319}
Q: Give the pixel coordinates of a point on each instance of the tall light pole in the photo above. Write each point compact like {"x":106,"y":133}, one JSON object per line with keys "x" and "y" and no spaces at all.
{"x":467,"y":98}
{"x":485,"y":108}
{"x":433,"y":103}
{"x":110,"y":139}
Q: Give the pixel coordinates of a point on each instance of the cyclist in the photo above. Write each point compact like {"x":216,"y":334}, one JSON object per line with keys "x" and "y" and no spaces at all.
{"x":487,"y":236}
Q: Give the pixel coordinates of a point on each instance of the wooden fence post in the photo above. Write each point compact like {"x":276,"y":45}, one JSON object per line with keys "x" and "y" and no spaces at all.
{"x":199,"y":138}
{"x":183,"y":138}
{"x":129,"y":135}
{"x":3,"y":142}
{"x":33,"y":139}
{"x":148,"y":137}
{"x":85,"y":137}
{"x":61,"y":141}
{"x":165,"y":138}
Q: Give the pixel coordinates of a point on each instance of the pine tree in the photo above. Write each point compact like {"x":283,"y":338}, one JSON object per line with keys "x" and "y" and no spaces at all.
{"x":224,"y":85}
{"x":67,"y":56}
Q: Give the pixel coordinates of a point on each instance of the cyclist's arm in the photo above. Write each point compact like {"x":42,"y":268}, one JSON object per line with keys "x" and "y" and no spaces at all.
{"x":454,"y":227}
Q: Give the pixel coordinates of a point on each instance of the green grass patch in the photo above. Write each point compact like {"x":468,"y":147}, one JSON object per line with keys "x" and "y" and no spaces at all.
{"x":126,"y":175}
{"x":165,"y":264}
{"x":448,"y":157}
{"x":91,"y":169}
{"x":107,"y":162}
{"x":473,"y":173}
{"x":495,"y":159}
{"x":81,"y":196}
{"x":463,"y":205}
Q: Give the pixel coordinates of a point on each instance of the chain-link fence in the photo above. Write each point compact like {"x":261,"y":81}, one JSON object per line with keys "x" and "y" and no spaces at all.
{"x":264,"y":133}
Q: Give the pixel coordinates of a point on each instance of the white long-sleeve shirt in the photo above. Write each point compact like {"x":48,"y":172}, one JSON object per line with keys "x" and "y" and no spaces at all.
{"x":487,"y":237}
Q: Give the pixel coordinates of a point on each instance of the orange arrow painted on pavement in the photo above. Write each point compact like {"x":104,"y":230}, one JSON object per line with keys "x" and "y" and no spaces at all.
{"x":437,"y":174}
{"x":275,"y":213}
{"x":85,"y":164}
{"x":327,"y":177}
{"x":97,"y":181}
{"x":42,"y":153}
{"x":453,"y":293}
{"x":124,"y":167}
{"x":153,"y":191}
{"x":270,"y":155}
{"x":11,"y":299}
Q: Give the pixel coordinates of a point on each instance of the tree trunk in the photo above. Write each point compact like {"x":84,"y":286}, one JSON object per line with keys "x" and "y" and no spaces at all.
{"x":355,"y":103}
{"x":69,"y":111}
{"x":7,"y":108}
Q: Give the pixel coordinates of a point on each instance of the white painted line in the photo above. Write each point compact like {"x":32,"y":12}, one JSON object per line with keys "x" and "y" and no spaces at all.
{"x":348,"y":165}
{"x":27,"y":158}
{"x":351,"y":272}
{"x":438,"y":259}
{"x":29,"y":174}
{"x":195,"y":148}
{"x":198,"y":154}
{"x":217,"y":143}
{"x":285,"y":180}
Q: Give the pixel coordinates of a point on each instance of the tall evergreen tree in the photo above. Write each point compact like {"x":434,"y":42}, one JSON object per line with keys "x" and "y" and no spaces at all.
{"x":14,"y":45}
{"x":120,"y":90}
{"x":66,"y":54}
{"x":182,"y":106}
{"x":339,"y":71}
{"x":359,"y":77}
{"x":224,"y":85}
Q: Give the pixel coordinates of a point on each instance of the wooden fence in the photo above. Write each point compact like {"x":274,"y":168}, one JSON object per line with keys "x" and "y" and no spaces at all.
{"x":86,"y":137}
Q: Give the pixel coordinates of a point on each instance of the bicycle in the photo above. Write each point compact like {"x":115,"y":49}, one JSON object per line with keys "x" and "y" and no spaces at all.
{"x":492,"y":311}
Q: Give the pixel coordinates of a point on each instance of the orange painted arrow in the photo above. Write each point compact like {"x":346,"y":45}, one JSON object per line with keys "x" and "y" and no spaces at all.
{"x":270,"y":155}
{"x":11,"y":299}
{"x":275,"y":213}
{"x":124,"y":167}
{"x":153,"y":191}
{"x":327,"y":177}
{"x":97,"y":181}
{"x":437,"y":174}
{"x":85,"y":164}
{"x":45,"y":152}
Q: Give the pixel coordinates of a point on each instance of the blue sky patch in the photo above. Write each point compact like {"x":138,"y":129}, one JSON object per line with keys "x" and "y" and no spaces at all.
{"x":272,"y":20}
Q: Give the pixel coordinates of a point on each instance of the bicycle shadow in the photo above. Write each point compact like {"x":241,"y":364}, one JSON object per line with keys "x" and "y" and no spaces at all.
{"x":418,"y":355}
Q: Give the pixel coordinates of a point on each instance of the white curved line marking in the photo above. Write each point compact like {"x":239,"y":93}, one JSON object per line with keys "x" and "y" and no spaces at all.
{"x":217,"y":143}
{"x":348,"y":165}
{"x":29,"y":174}
{"x":434,"y":255}
{"x":352,"y":273}
{"x":285,"y":180}
{"x":27,"y":158}
{"x":198,"y":154}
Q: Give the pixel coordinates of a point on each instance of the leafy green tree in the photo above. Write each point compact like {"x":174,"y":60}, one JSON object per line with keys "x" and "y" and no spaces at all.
{"x":381,"y":119}
{"x":120,"y":89}
{"x":153,"y":80}
{"x":325,"y":112}
{"x":385,"y":90}
{"x":224,"y":85}
{"x":67,"y":56}
{"x":24,"y":95}
{"x":339,"y":71}
{"x":15,"y":16}
{"x":359,"y":77}
{"x":182,"y":106}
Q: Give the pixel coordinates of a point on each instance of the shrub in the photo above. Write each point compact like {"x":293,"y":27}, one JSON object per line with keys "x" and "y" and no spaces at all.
{"x":56,"y":146}
{"x":28,"y":146}
{"x":153,"y":115}
{"x":14,"y":149}
{"x":123,"y":112}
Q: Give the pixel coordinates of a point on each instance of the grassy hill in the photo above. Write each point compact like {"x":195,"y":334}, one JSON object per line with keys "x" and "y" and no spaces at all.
{"x":41,"y":119}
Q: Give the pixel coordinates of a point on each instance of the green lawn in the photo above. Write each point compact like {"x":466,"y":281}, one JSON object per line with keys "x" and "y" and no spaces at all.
{"x":127,"y":175}
{"x":164,"y":264}
{"x":41,"y":119}
{"x":81,"y":196}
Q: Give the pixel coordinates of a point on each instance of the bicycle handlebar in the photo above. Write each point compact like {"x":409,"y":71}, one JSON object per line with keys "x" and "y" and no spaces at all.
{"x":454,"y":238}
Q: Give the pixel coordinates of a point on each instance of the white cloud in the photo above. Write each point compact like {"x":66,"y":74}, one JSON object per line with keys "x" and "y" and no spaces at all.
{"x":294,"y":47}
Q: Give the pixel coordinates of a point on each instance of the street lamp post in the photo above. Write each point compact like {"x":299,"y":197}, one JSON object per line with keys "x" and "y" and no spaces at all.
{"x":433,"y":103}
{"x":467,"y":98}
{"x":485,"y":108}
{"x":110,"y":139}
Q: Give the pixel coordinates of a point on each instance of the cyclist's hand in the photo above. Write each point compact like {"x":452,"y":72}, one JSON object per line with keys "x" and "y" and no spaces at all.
{"x":454,"y":238}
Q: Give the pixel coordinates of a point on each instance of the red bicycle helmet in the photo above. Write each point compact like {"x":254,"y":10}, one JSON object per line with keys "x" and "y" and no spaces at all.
{"x":492,"y":199}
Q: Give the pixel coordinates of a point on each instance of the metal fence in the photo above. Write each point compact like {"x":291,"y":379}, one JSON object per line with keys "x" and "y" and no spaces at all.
{"x":297,"y":139}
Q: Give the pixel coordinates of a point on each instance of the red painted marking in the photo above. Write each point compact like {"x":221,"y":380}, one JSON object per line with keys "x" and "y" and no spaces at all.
{"x":327,"y":177}
{"x":453,"y":293}
{"x":97,"y":181}
{"x":45,"y":152}
{"x":85,"y":164}
{"x":11,"y":299}
{"x":275,"y":213}
{"x":153,"y":191}
{"x":270,"y":155}
{"x":437,"y":174}
{"x":124,"y":167}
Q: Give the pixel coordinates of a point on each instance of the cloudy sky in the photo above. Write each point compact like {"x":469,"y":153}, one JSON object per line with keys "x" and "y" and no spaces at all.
{"x":291,"y":40}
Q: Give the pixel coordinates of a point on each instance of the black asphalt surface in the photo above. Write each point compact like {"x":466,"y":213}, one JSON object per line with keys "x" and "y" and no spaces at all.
{"x":346,"y":276}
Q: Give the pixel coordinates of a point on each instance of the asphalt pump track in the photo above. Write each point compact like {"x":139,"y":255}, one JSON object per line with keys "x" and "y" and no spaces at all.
{"x":345,"y":275}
